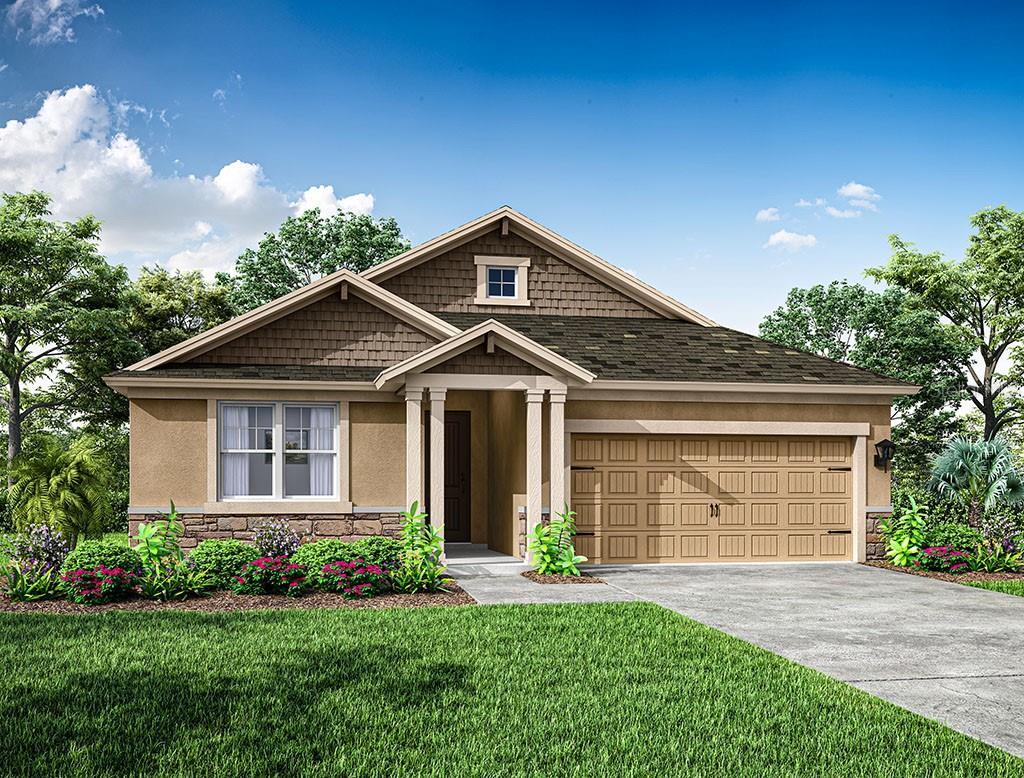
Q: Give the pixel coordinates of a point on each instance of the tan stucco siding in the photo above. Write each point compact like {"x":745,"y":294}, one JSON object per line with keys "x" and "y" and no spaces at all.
{"x":378,"y":454}
{"x":507,"y":468}
{"x":167,"y":452}
{"x":877,"y":415}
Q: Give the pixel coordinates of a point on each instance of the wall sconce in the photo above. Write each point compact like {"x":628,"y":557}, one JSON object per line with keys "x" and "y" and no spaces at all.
{"x":885,"y":450}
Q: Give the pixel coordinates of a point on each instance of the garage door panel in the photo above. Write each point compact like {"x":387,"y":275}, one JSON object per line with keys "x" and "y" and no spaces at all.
{"x":727,"y":499}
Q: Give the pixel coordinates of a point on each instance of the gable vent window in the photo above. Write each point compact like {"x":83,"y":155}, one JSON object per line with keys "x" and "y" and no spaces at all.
{"x":502,"y":280}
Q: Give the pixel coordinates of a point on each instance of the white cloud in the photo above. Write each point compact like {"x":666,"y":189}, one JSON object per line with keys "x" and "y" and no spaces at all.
{"x":789,"y":241}
{"x":49,"y":21}
{"x":71,"y":149}
{"x":855,"y":191}
{"x":3,"y":66}
{"x":802,"y":203}
{"x":767,"y":215}
{"x":867,"y":205}
{"x":846,"y":213}
{"x":220,"y":95}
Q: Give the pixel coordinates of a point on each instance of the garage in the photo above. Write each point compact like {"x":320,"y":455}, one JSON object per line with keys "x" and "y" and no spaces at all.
{"x":729,"y":498}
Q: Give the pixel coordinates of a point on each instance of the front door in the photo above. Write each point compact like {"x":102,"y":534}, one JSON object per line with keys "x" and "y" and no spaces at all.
{"x":456,"y":476}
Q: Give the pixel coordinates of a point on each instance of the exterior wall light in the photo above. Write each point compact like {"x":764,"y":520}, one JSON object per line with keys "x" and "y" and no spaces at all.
{"x":885,"y":450}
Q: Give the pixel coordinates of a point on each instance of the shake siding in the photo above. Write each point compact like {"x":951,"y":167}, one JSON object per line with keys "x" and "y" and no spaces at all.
{"x":332,"y":331}
{"x":447,"y":284}
{"x":477,"y":361}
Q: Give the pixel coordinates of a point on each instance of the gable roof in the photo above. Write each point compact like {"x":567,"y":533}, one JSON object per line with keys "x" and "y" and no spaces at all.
{"x":564,"y":249}
{"x":514,"y":342}
{"x":622,"y":349}
{"x":282,"y":306}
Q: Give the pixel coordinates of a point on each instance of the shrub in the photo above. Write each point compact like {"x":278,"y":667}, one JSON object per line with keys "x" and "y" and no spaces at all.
{"x":270,"y":575}
{"x":420,"y":569}
{"x":354,"y":579}
{"x":275,"y":537}
{"x":995,"y":559}
{"x":40,"y":547}
{"x":380,"y":551}
{"x":174,"y":581}
{"x":157,"y":542}
{"x":953,"y":535}
{"x":98,"y":585}
{"x":943,"y":559}
{"x":222,"y":560}
{"x":980,"y":475}
{"x":552,"y":547}
{"x":30,"y":583}
{"x":904,"y":534}
{"x":92,"y":554}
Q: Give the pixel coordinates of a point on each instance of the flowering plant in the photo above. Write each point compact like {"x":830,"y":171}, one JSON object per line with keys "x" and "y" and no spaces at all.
{"x":98,"y":585}
{"x":270,"y":575}
{"x":40,"y":548}
{"x":275,"y":537}
{"x":944,"y":559}
{"x":354,"y":579}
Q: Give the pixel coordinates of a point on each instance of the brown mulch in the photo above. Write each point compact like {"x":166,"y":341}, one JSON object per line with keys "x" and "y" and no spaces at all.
{"x":952,"y":577}
{"x":228,"y":602}
{"x":554,"y":578}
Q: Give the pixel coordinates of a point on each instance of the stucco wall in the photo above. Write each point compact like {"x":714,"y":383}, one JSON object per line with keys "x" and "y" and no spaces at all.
{"x":378,"y":454}
{"x":875,"y":415}
{"x":507,"y":467}
{"x":167,"y":452}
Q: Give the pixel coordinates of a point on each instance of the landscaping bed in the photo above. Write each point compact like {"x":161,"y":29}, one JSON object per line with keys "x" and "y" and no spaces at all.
{"x":227,"y":602}
{"x":555,"y":578}
{"x":576,"y":690}
{"x":961,"y":578}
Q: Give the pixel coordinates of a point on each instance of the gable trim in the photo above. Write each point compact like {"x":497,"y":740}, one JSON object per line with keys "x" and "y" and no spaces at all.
{"x":560,"y":247}
{"x":343,"y":282}
{"x":507,"y":338}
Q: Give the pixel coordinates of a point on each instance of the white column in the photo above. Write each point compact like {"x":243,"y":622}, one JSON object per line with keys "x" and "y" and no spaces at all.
{"x":556,"y":444}
{"x":413,"y":446}
{"x":437,"y":459}
{"x":858,"y":527}
{"x":534,"y":405}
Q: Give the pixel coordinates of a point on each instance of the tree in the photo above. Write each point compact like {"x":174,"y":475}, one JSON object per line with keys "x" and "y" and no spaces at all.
{"x":883,"y":332}
{"x":979,"y":475}
{"x":62,"y":314}
{"x":167,"y":308}
{"x":307,"y":247}
{"x":62,"y":485}
{"x":982,"y":295}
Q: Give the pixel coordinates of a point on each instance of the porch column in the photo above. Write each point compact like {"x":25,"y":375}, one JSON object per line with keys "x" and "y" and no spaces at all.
{"x":534,"y":404}
{"x":413,"y":446}
{"x":556,"y":445}
{"x":437,"y":459}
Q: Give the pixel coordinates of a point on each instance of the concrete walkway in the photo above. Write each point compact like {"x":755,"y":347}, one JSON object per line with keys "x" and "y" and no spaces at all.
{"x":947,"y":651}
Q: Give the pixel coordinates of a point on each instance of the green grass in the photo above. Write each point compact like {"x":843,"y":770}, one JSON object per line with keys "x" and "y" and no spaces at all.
{"x":628,"y":689}
{"x":1006,"y":587}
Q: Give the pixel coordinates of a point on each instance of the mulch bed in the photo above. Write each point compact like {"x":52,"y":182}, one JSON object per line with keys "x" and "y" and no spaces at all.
{"x":228,"y":602}
{"x":954,"y":578}
{"x":552,"y":578}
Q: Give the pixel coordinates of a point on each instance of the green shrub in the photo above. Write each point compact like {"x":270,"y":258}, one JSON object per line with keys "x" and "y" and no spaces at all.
{"x":421,"y":569}
{"x":954,"y":535}
{"x":222,"y":560}
{"x":552,"y":547}
{"x":29,"y":584}
{"x":904,"y":534}
{"x":173,"y":581}
{"x":91,"y":554}
{"x":379,"y":551}
{"x":271,"y":575}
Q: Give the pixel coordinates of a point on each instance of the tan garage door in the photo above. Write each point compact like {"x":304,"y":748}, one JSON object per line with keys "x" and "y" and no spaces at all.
{"x":675,"y":498}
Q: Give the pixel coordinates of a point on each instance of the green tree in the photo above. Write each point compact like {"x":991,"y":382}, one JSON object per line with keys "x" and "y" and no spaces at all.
{"x":307,"y":247}
{"x":62,"y":316}
{"x":61,"y":484}
{"x":167,"y":308}
{"x":979,"y":475}
{"x":982,"y":295}
{"x":883,"y":332}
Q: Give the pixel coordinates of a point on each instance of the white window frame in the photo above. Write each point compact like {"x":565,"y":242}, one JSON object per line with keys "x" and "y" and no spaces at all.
{"x":279,"y":452}
{"x":484,"y":263}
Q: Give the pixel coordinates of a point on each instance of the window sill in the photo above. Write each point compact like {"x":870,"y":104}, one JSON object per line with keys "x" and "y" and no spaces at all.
{"x":274,"y":507}
{"x":515,"y":301}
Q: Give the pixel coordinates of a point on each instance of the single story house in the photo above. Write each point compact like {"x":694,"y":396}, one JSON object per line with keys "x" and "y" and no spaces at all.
{"x":498,"y":372}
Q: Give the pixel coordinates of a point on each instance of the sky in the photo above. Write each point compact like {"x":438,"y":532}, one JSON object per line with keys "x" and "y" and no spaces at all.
{"x":723,"y":152}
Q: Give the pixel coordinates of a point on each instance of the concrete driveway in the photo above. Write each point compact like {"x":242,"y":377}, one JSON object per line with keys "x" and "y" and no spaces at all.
{"x":947,"y":651}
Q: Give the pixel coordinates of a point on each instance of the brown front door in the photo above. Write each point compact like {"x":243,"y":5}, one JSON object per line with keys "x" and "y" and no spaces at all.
{"x":456,"y":476}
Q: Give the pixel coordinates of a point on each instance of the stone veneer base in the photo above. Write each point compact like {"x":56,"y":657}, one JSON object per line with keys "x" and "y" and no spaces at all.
{"x":343,"y":526}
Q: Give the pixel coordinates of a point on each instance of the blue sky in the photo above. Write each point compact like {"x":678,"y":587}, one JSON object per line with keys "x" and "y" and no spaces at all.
{"x":652,"y":134}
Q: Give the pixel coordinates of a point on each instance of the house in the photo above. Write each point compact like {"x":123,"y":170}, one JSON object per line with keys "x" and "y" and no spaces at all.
{"x":495,"y":373}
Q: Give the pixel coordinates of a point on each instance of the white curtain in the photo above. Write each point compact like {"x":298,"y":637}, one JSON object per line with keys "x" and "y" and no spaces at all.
{"x":235,"y":467}
{"x":321,"y":438}
{"x":236,"y":427}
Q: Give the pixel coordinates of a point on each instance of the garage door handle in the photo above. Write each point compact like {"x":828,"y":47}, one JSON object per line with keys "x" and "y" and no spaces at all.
{"x":585,"y":534}
{"x":840,"y":469}
{"x":838,"y":532}
{"x":580,"y":467}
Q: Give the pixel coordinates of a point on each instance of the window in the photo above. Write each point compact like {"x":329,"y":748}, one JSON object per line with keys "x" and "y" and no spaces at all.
{"x":278,"y":450}
{"x":501,"y":281}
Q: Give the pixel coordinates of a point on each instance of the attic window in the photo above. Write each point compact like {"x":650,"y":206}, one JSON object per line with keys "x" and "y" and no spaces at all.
{"x":502,"y":280}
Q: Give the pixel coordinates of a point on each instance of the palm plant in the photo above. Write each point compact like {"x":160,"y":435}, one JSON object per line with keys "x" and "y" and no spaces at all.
{"x":978,"y":474}
{"x":61,"y":485}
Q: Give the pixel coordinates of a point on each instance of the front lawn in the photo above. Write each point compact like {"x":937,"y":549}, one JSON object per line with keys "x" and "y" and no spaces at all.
{"x":1006,"y":587}
{"x":627,"y":689}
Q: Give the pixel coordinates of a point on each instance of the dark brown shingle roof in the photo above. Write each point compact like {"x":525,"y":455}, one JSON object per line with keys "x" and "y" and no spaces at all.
{"x":672,"y":350}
